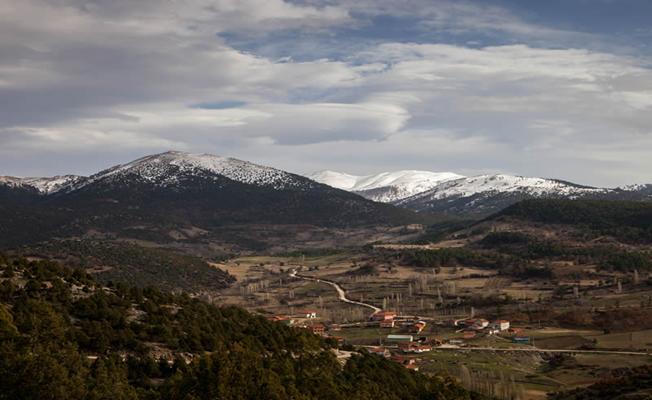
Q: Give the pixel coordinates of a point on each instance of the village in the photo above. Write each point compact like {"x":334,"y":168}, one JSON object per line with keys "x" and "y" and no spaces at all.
{"x":489,"y":331}
{"x":406,"y":337}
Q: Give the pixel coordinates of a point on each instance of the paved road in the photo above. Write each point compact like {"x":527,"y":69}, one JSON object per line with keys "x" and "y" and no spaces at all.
{"x":537,"y":350}
{"x":340,"y":292}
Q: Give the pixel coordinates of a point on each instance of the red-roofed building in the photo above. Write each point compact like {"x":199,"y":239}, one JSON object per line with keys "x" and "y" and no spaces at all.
{"x":388,"y":323}
{"x":383,"y":316}
{"x":281,"y":318}
{"x":318,"y":329}
{"x":381,"y":351}
{"x":469,"y":335}
{"x":414,"y":347}
{"x":417,"y":327}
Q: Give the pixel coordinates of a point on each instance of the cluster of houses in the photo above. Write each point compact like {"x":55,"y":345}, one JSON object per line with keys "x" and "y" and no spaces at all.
{"x":389,"y":319}
{"x":473,"y":326}
{"x":407,"y":362}
{"x":307,"y":319}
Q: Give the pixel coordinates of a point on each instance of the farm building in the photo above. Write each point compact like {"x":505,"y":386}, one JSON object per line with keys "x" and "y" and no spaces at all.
{"x":381,"y":351}
{"x":383,"y":316}
{"x":414,"y":347}
{"x":317,"y":329}
{"x":469,"y":335}
{"x":387,"y":323}
{"x":400,"y":338}
{"x":310,"y":314}
{"x":281,"y":318}
{"x":417,"y":327}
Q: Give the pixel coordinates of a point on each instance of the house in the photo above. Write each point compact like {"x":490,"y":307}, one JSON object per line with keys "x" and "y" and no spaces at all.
{"x":412,"y":367}
{"x":337,"y":339}
{"x":400,"y":338}
{"x":383,"y":316}
{"x":414,"y":347}
{"x":500,"y":325}
{"x":387,"y":323}
{"x":281,"y":318}
{"x":480,"y":323}
{"x":469,"y":335}
{"x":417,"y":327}
{"x":409,"y":363}
{"x":380,"y":351}
{"x":318,"y":329}
{"x":309,"y":314}
{"x":515,"y":331}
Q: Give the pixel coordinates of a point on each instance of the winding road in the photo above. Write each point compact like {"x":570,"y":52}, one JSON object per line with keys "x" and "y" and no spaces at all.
{"x":341,"y":293}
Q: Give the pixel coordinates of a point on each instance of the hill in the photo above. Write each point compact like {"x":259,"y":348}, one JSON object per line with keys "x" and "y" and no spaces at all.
{"x":549,"y":239}
{"x":470,"y":197}
{"x":129,"y":263}
{"x":62,"y":336}
{"x":621,"y":384}
{"x":152,"y":196}
{"x":385,"y":187}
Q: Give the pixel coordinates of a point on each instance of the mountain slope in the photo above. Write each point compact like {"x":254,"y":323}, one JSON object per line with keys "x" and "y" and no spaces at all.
{"x":485,"y":194}
{"x":474,"y":196}
{"x":385,"y":187}
{"x":156,"y":194}
{"x":45,"y":186}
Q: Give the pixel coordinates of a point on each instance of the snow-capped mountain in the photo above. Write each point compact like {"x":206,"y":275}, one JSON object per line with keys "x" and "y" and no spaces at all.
{"x":489,"y":193}
{"x":174,"y":167}
{"x":43,"y":186}
{"x":156,"y":197}
{"x":165,"y":170}
{"x":386,"y":187}
{"x":537,"y":187}
{"x":475,"y":195}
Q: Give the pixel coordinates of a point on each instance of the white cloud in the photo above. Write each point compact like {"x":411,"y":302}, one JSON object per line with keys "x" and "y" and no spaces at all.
{"x":88,"y":76}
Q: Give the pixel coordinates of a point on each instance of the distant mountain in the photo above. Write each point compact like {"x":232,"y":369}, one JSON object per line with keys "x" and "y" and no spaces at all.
{"x":486,"y":194}
{"x":474,"y":196}
{"x":157,"y":194}
{"x":42,"y":185}
{"x":386,"y":187}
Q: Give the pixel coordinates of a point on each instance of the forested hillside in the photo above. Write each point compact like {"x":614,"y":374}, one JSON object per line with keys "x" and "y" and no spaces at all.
{"x":123,"y":262}
{"x":627,"y":220}
{"x":620,"y":384}
{"x":64,"y":336}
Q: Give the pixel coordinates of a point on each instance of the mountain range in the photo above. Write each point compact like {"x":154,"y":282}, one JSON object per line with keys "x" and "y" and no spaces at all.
{"x":451,"y":193}
{"x":157,"y":196}
{"x":198,"y":196}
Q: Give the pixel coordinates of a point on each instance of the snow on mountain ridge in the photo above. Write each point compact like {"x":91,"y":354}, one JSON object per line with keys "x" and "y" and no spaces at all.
{"x":385,"y":186}
{"x":500,"y":183}
{"x":45,"y":185}
{"x":166,"y":168}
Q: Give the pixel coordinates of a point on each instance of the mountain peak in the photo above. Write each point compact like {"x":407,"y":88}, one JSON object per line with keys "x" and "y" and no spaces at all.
{"x":170,"y":167}
{"x":385,"y":186}
{"x":43,"y":185}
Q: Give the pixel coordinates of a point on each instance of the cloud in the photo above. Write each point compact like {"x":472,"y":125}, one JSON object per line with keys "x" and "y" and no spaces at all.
{"x":133,"y":77}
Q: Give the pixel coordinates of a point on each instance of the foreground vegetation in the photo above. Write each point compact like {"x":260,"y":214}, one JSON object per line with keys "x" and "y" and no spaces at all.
{"x":64,"y":336}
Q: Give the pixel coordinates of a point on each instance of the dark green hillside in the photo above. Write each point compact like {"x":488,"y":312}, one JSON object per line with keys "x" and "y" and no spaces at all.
{"x":133,"y":264}
{"x":631,"y":221}
{"x":63,"y":336}
{"x":621,"y":384}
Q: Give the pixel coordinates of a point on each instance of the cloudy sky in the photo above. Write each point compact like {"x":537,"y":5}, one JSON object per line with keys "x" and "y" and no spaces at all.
{"x":556,"y":88}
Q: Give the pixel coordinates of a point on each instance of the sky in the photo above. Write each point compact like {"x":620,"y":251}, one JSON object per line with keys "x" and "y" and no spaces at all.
{"x":555,"y":88}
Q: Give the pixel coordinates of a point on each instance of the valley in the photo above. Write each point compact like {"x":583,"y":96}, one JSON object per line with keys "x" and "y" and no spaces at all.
{"x":529,"y":294}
